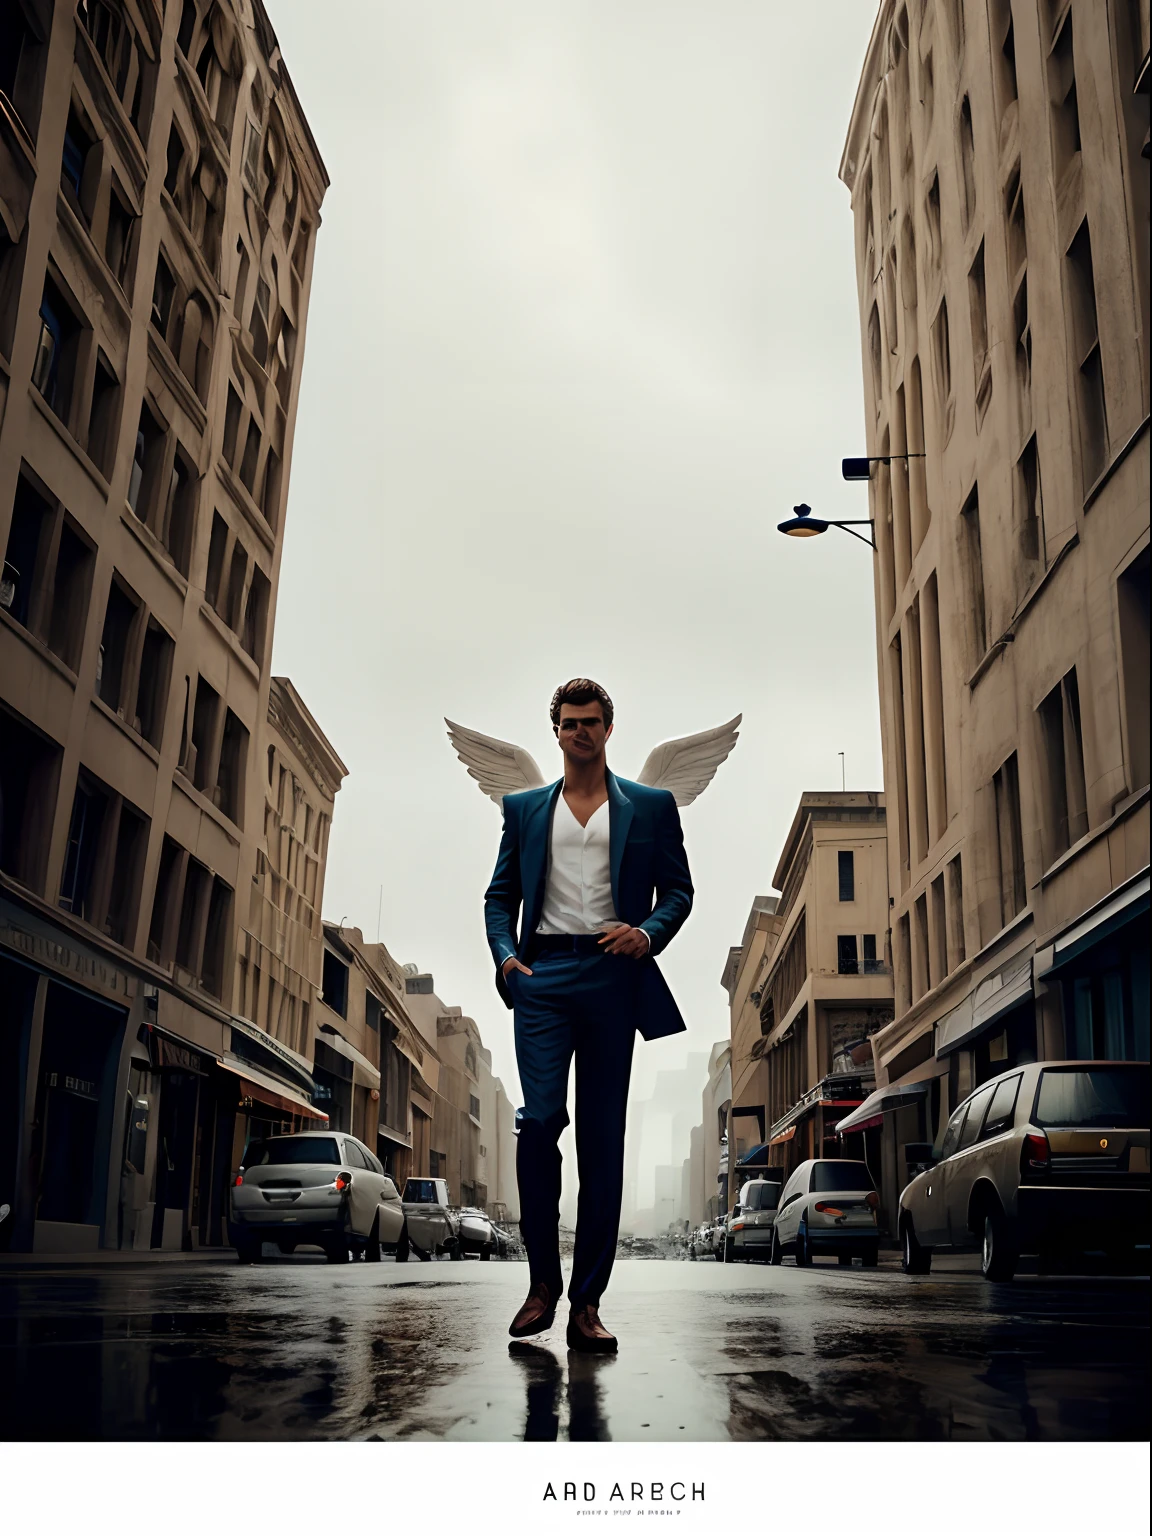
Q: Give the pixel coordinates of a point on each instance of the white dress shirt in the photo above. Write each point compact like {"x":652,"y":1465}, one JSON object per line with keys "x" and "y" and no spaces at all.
{"x":578,"y":886}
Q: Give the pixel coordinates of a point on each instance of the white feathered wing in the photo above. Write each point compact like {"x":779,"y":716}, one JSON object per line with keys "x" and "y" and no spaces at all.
{"x":499,"y":767}
{"x":688,"y":764}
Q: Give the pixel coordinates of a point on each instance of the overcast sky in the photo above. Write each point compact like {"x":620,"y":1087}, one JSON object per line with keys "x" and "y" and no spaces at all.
{"x":583,"y":329}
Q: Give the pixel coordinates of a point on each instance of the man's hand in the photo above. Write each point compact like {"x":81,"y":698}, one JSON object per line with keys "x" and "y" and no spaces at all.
{"x":512,"y":964}
{"x":633,"y":942}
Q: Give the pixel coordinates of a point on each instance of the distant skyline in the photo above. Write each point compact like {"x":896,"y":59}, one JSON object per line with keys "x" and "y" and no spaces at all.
{"x":583,"y":330}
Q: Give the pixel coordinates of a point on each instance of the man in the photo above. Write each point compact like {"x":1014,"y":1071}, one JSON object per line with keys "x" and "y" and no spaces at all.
{"x":596,"y":867}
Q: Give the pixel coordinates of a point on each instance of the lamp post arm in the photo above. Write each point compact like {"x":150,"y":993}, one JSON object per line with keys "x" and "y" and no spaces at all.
{"x":847,"y":523}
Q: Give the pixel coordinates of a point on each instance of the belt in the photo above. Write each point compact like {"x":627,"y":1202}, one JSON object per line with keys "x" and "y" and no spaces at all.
{"x":568,"y":943}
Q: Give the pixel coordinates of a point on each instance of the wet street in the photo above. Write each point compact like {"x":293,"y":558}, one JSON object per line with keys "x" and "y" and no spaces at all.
{"x":297,"y":1349}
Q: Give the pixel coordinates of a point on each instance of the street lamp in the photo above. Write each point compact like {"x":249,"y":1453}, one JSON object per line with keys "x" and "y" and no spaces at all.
{"x":804,"y":526}
{"x":859,"y":469}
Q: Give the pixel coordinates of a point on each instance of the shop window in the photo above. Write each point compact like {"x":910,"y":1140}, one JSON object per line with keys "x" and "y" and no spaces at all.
{"x":1009,"y":840}
{"x":973,"y":563}
{"x":847,"y":960}
{"x":1062,"y":94}
{"x":155,"y":672}
{"x":104,"y":419}
{"x":29,"y":777}
{"x":113,"y":660}
{"x":57,"y":351}
{"x":1086,"y":343}
{"x":1132,"y":605}
{"x":335,"y":988}
{"x":205,"y":735}
{"x":256,"y":615}
{"x":846,"y":874}
{"x":1062,"y":757}
{"x":981,"y":358}
{"x":229,"y":792}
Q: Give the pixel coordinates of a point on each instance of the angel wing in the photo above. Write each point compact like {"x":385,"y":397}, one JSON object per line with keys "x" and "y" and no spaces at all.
{"x":688,"y":764}
{"x":497,"y":766}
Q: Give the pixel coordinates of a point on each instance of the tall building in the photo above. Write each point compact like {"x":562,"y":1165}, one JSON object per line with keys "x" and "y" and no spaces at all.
{"x":809,"y":987}
{"x":997,"y":161}
{"x":159,"y":202}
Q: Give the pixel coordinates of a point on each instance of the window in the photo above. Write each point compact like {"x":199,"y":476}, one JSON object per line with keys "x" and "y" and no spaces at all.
{"x":1062,"y":94}
{"x":71,"y":584}
{"x":252,"y":155}
{"x":1001,"y":1111}
{"x":127,"y":871}
{"x":260,"y":322}
{"x":229,"y":792}
{"x":335,"y":988}
{"x":976,"y":1107}
{"x":903,"y":959}
{"x":951,"y":1139}
{"x":147,"y":459}
{"x":973,"y":563}
{"x":163,"y":294}
{"x":840,"y":1177}
{"x":1132,"y":605}
{"x":932,"y":211}
{"x":214,"y":577}
{"x":174,"y":156}
{"x":1109,"y":1097}
{"x":921,"y":979}
{"x":79,"y":167}
{"x":437,"y":1161}
{"x":165,"y":902}
{"x":874,"y":351}
{"x":256,"y":615}
{"x":981,"y":359}
{"x":237,"y":569}
{"x":113,"y":659}
{"x":104,"y":417}
{"x":57,"y":351}
{"x":873,"y":964}
{"x":845,"y":865}
{"x":942,"y":357}
{"x":1086,"y":347}
{"x":103,"y":864}
{"x":954,"y":875}
{"x":372,"y":1012}
{"x":1029,"y":516}
{"x":193,"y":912}
{"x":232,"y":415}
{"x":846,"y":958}
{"x":1009,"y":840}
{"x":251,"y":457}
{"x":29,"y":774}
{"x":286,"y":1152}
{"x":205,"y":736}
{"x":474,"y":1106}
{"x":939,"y":933}
{"x":1003,"y":53}
{"x":47,"y":594}
{"x":1062,"y":754}
{"x":967,"y":162}
{"x":178,"y":514}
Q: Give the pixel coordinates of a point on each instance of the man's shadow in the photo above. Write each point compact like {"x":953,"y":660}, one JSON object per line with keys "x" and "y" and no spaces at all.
{"x":543,"y":1381}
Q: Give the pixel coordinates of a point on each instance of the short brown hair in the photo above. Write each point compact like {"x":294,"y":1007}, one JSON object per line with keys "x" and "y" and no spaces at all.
{"x":581,"y":690}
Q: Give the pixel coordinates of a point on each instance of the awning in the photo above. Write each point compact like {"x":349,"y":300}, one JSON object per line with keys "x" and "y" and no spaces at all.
{"x":996,"y":995}
{"x":757,"y":1155}
{"x":1120,"y":909}
{"x":270,"y":1090}
{"x":783,"y":1136}
{"x":882,"y":1102}
{"x":366,"y":1071}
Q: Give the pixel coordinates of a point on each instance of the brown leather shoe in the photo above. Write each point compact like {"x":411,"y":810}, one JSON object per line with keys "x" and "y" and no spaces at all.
{"x":537,"y":1313}
{"x":587,"y":1333}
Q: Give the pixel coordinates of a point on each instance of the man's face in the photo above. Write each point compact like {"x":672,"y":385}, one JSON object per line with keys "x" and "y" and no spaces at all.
{"x":581,"y":731}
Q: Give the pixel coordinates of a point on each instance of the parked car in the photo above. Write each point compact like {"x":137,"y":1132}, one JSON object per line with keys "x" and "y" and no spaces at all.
{"x":829,"y":1205}
{"x":433,"y":1222}
{"x":318,"y":1188}
{"x":713,"y":1238}
{"x":477,"y":1234}
{"x":1044,"y":1159}
{"x":752,"y":1221}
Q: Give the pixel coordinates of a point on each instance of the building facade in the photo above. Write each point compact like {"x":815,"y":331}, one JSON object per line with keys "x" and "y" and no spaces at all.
{"x":159,"y":203}
{"x":997,"y":162}
{"x":809,"y":987}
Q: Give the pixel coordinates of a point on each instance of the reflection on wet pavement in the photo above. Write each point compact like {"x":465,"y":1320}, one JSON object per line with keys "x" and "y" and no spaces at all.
{"x":294,"y":1350}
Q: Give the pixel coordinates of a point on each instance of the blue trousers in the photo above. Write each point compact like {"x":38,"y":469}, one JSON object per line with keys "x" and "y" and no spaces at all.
{"x":583,"y":1005}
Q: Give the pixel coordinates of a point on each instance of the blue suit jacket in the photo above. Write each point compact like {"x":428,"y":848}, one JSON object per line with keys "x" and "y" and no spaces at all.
{"x":651,"y":885}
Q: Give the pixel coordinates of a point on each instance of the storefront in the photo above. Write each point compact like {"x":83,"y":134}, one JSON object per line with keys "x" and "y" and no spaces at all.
{"x":1100,"y":965}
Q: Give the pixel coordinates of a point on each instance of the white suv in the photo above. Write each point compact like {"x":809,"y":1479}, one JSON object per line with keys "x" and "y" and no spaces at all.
{"x":829,"y":1205}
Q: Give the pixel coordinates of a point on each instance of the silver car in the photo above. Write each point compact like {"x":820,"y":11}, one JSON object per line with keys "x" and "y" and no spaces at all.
{"x":829,"y":1205}
{"x":315,"y":1188}
{"x":477,"y":1234}
{"x":752,"y":1222}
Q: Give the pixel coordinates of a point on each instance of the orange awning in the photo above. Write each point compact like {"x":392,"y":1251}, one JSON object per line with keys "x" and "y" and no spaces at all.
{"x":783,"y":1136}
{"x":270,"y":1091}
